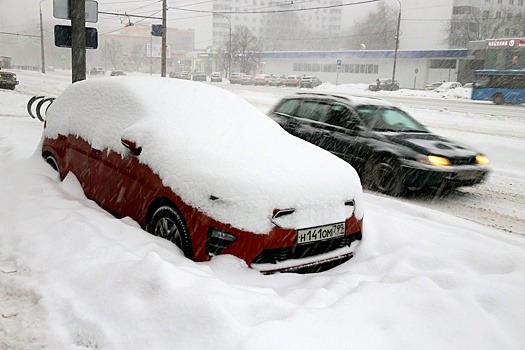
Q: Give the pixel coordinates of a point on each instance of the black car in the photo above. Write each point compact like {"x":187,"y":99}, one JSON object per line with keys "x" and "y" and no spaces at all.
{"x":391,"y":151}
{"x":384,"y":84}
{"x":310,"y":82}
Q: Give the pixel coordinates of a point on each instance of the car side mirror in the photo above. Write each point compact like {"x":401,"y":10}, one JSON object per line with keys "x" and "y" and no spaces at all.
{"x":131,"y":146}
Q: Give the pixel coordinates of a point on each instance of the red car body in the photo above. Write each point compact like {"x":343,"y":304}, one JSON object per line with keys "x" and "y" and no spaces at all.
{"x":125,"y":186}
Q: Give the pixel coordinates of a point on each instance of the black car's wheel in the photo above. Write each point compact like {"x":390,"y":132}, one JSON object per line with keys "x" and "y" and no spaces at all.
{"x":382,"y":175}
{"x":498,"y":99}
{"x":167,"y":222}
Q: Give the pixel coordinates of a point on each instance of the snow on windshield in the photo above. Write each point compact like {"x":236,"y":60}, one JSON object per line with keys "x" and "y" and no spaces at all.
{"x":204,"y":141}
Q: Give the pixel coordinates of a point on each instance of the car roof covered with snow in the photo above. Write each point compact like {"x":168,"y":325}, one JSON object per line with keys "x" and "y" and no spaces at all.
{"x":205,"y":142}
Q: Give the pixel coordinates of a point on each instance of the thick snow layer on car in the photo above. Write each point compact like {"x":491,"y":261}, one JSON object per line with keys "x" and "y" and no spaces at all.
{"x":204,"y":141}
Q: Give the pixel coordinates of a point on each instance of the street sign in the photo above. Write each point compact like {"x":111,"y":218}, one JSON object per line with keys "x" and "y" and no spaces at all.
{"x":339,"y":63}
{"x":156,"y":29}
{"x":63,"y":37}
{"x":61,"y":10}
{"x":155,"y":50}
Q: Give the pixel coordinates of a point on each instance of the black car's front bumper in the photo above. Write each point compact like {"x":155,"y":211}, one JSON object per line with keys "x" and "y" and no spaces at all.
{"x":419,"y":176}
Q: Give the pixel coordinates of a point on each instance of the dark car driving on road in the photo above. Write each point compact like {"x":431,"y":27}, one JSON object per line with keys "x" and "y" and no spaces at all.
{"x":384,"y":84}
{"x":390,"y":150}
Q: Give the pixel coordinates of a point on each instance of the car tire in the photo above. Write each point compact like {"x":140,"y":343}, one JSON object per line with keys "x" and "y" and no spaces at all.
{"x":168,"y":223}
{"x":498,"y":99}
{"x":382,"y":175}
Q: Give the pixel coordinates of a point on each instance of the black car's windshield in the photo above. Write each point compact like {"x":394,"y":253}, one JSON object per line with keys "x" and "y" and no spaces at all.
{"x":381,"y":118}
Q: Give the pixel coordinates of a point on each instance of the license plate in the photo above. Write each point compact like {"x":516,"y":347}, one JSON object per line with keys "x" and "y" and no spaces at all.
{"x":320,"y":233}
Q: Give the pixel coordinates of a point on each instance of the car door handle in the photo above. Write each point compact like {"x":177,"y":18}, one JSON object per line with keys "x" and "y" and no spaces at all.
{"x":96,"y":152}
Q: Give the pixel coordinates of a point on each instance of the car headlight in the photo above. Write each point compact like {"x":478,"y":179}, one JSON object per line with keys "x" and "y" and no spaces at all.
{"x":435,"y":160}
{"x":482,"y":159}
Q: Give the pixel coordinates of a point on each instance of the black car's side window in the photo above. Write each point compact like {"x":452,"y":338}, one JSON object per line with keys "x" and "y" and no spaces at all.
{"x":341,"y":116}
{"x":313,"y":110}
{"x":288,"y":107}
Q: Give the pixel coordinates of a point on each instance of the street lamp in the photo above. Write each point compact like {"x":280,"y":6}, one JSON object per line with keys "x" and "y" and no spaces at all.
{"x":397,"y":43}
{"x":43,"y":59}
{"x":230,"y":46}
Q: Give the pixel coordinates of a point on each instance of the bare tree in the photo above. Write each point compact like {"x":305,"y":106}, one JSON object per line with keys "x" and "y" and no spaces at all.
{"x":376,"y":31}
{"x":113,"y":52}
{"x":474,"y":23}
{"x":246,"y":50}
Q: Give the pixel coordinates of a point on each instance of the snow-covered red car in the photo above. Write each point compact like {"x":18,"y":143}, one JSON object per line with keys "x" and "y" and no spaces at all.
{"x":202,"y":167}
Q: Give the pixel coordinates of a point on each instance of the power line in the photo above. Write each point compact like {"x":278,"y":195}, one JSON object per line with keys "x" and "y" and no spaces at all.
{"x":276,"y":11}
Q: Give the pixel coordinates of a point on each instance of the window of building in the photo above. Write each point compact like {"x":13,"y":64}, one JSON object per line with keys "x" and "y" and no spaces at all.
{"x":520,"y":2}
{"x":511,"y":2}
{"x":486,"y":14}
{"x":500,"y":1}
{"x":498,"y":14}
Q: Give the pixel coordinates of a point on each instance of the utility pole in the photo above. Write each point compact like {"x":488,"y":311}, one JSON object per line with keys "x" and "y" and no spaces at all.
{"x":230,"y":45}
{"x":77,"y":13}
{"x":42,"y":55}
{"x":163,"y":59}
{"x":397,"y":42}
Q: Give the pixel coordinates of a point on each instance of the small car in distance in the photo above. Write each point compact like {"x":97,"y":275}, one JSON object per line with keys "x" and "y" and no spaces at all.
{"x":116,"y":73}
{"x":236,"y":78}
{"x":310,"y":81}
{"x":199,"y":76}
{"x":384,"y":84}
{"x":247,"y":80}
{"x":293,"y":80}
{"x":275,"y":80}
{"x":97,"y":71}
{"x":261,"y":79}
{"x":448,"y":86}
{"x":216,"y":77}
{"x":392,"y":152}
{"x":281,"y":206}
{"x":8,"y":80}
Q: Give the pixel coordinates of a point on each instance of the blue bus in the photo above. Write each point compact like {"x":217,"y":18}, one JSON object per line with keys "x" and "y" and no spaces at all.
{"x":499,"y":86}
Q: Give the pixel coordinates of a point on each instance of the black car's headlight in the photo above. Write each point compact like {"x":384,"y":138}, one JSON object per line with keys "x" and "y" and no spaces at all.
{"x":482,"y":159}
{"x":434,"y":160}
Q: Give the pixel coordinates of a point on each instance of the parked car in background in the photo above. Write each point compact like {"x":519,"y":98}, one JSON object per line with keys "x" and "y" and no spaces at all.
{"x":247,"y":80}
{"x":433,"y":86}
{"x":236,"y":78}
{"x":174,"y":75}
{"x":275,"y":80}
{"x":150,"y":158}
{"x":97,"y":71}
{"x":448,"y":86}
{"x":185,"y":75}
{"x":117,"y":73}
{"x":293,"y":80}
{"x":310,"y":81}
{"x":8,"y":80}
{"x":392,"y":152}
{"x":216,"y":77}
{"x":261,"y":79}
{"x":199,"y":76}
{"x":384,"y":84}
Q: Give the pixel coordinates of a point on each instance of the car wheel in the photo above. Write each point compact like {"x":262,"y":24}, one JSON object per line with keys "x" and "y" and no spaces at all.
{"x":382,"y":175}
{"x":498,"y":99}
{"x":167,"y":222}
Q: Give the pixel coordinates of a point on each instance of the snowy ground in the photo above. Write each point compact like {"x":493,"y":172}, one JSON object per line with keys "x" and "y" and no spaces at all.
{"x":74,"y":277}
